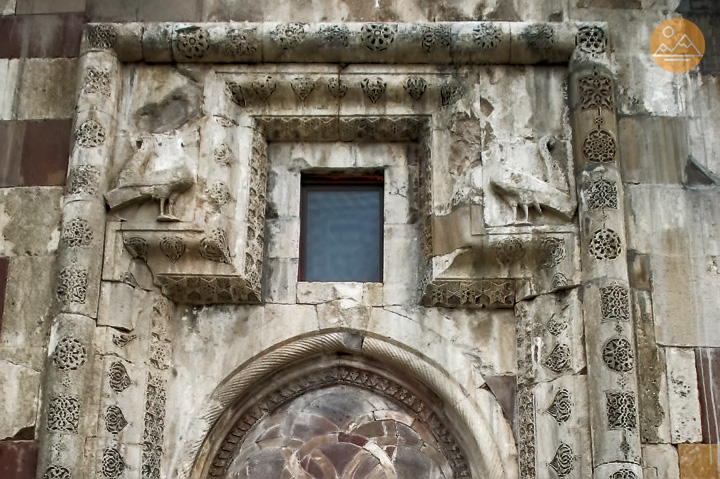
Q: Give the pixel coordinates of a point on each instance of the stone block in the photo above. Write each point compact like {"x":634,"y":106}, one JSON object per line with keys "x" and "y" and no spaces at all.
{"x":19,"y":392}
{"x":344,"y":313}
{"x":684,"y":405}
{"x":7,"y":7}
{"x":138,"y":10}
{"x":30,"y":220}
{"x":282,"y":237}
{"x":46,"y":89}
{"x":707,"y":362}
{"x":321,"y":292}
{"x":18,"y":459}
{"x":28,"y":301}
{"x":41,"y":36}
{"x":699,"y":461}
{"x":280,"y":285}
{"x":9,"y":78}
{"x":4,"y":264}
{"x":401,"y":278}
{"x":652,"y":149}
{"x":49,"y":6}
{"x":660,"y":461}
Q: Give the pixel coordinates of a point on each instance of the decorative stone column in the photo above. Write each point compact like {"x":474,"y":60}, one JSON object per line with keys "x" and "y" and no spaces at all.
{"x":68,"y":413}
{"x":612,"y":384}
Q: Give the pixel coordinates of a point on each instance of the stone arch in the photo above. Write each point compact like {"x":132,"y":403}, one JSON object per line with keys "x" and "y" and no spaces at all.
{"x":465,"y":423}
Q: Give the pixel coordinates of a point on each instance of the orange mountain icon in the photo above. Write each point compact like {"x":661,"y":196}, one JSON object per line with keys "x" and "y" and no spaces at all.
{"x":683,"y":48}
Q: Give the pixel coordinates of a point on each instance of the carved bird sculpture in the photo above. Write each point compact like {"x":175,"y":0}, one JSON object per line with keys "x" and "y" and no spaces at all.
{"x":522,"y":191}
{"x":156,"y":171}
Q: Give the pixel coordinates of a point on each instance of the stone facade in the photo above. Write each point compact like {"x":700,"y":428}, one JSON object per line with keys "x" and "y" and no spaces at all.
{"x":549,"y":260}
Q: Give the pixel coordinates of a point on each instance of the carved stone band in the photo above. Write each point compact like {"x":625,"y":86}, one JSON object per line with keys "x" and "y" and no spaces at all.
{"x":448,"y":43}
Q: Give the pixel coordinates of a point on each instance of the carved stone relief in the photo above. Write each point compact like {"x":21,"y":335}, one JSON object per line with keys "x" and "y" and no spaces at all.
{"x":72,"y":285}
{"x":237,"y":96}
{"x":97,"y":80}
{"x":378,"y":37}
{"x":623,"y":474}
{"x":559,"y":359}
{"x":618,"y":355}
{"x":114,"y":420}
{"x":153,"y":427}
{"x":173,"y":247}
{"x":288,"y":35}
{"x":77,"y":233}
{"x":90,"y":134}
{"x":510,"y":250}
{"x":563,"y":460}
{"x":241,"y":43}
{"x":599,"y":145}
{"x":102,"y":36}
{"x":302,"y":86}
{"x":621,"y":411}
{"x":192,"y":42}
{"x":137,"y":247}
{"x":434,"y":36}
{"x":615,"y":303}
{"x":120,"y":340}
{"x":335,"y":35}
{"x":264,"y":87}
{"x":337,"y":87}
{"x":415,"y":87}
{"x":56,"y":472}
{"x":526,"y":433}
{"x":596,"y":92}
{"x":83,"y":180}
{"x":69,"y":354}
{"x":487,"y":36}
{"x":591,"y":40}
{"x":450,"y":92}
{"x":63,"y":414}
{"x":113,"y":464}
{"x":605,"y":244}
{"x":373,"y":88}
{"x":561,"y":406}
{"x":118,"y":377}
{"x":539,"y":37}
{"x":488,"y":293}
{"x":552,"y":252}
{"x":602,"y":194}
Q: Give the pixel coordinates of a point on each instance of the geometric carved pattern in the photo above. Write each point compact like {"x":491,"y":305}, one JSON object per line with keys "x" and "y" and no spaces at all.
{"x":335,"y":35}
{"x":288,"y":35}
{"x":450,"y":92}
{"x":211,"y":290}
{"x":487,"y":36}
{"x":561,"y":407}
{"x":56,"y":472}
{"x":302,"y":86}
{"x":264,"y":87}
{"x":555,"y":327}
{"x":602,"y":194}
{"x":510,"y":250}
{"x":623,"y":474}
{"x":137,"y":247}
{"x":614,"y":302}
{"x":90,"y":134}
{"x":591,"y":39}
{"x":377,"y":37}
{"x":599,"y":145}
{"x":605,"y":245}
{"x":63,"y":414}
{"x":218,"y":194}
{"x":97,"y":80}
{"x":337,"y":87}
{"x":562,"y":462}
{"x":526,"y":433}
{"x":69,"y":354}
{"x":621,"y":410}
{"x":559,"y":359}
{"x":460,"y":293}
{"x":72,"y":287}
{"x":154,"y":424}
{"x":539,"y":37}
{"x":83,"y":180}
{"x":552,"y":251}
{"x":214,"y":247}
{"x":113,"y":464}
{"x":77,"y":232}
{"x":119,"y":379}
{"x":351,"y":376}
{"x":192,"y":42}
{"x":596,"y":91}
{"x":114,"y":420}
{"x":102,"y":36}
{"x":617,"y":354}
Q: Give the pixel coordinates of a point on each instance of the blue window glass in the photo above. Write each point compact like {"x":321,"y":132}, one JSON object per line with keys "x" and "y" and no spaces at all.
{"x":341,"y":230}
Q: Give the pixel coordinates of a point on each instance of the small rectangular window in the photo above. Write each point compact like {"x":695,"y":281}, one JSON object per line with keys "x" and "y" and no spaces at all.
{"x":341,"y":228}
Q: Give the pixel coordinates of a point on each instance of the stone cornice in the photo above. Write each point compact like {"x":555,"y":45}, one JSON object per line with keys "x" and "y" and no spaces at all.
{"x":452,"y":43}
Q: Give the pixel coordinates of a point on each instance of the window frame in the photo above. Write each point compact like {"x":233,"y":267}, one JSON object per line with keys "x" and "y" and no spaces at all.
{"x":345,"y":181}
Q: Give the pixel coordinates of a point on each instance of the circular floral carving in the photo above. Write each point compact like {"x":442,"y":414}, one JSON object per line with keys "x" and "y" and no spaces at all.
{"x":69,"y":354}
{"x":77,"y":232}
{"x":552,"y":251}
{"x":241,"y":42}
{"x":288,"y":35}
{"x":510,"y":250}
{"x":618,"y":356}
{"x":599,"y":145}
{"x":377,"y":36}
{"x":56,"y":472}
{"x":605,"y":244}
{"x":591,"y":39}
{"x":192,"y":42}
{"x":487,"y":36}
{"x":173,"y":247}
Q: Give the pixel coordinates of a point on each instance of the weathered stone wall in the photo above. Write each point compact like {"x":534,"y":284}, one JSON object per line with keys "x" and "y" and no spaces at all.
{"x":159,"y":362}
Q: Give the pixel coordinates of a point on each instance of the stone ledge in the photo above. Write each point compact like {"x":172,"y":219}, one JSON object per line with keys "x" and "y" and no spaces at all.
{"x":451,"y":43}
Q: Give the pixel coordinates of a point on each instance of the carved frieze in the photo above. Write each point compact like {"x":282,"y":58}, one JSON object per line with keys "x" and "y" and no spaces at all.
{"x":539,"y":37}
{"x":264,"y":87}
{"x":335,"y":35}
{"x":526,"y":433}
{"x":467,"y":293}
{"x":337,"y":87}
{"x":302,"y":86}
{"x":192,"y":42}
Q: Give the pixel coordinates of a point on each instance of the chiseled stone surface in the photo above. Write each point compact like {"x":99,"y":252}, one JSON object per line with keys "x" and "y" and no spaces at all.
{"x":684,"y":405}
{"x":19,"y":391}
{"x":46,"y":88}
{"x":29,"y":234}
